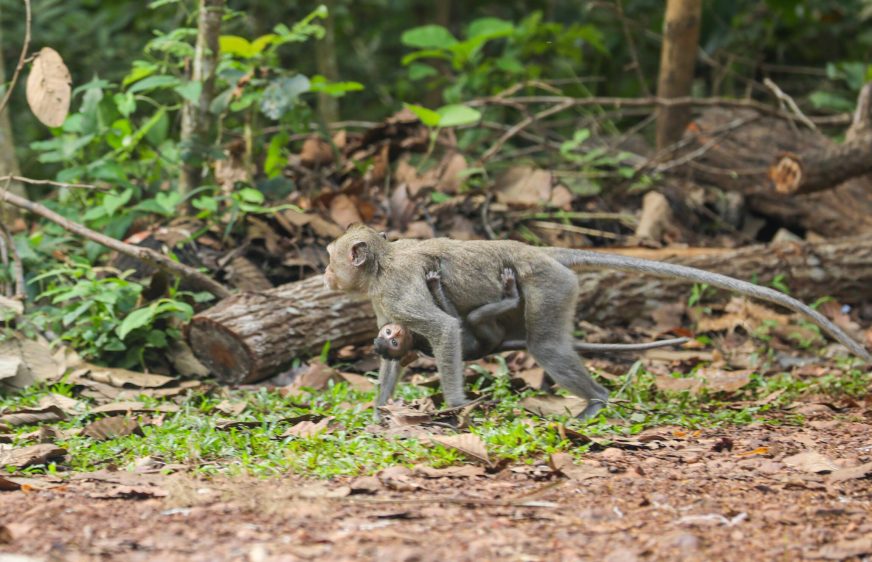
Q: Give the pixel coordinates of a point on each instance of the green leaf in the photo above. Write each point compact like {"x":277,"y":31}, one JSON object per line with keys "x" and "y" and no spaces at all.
{"x":457,"y":115}
{"x":125,"y":102}
{"x":190,"y":91}
{"x":136,"y":319}
{"x":236,"y":45}
{"x":335,"y":89}
{"x":427,"y":116}
{"x":275,"y":156}
{"x":419,"y":70}
{"x":830,"y":100}
{"x":113,"y":202}
{"x":250,"y":195}
{"x":154,"y":82}
{"x":428,"y":37}
{"x":262,"y":42}
{"x":489,"y":27}
{"x":141,"y":69}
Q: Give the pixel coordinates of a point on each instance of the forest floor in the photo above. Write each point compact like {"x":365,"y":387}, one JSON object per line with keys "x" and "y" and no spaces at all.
{"x":761,"y":491}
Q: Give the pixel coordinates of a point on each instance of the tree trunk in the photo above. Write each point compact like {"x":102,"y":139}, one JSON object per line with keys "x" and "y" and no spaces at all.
{"x":677,"y":59}
{"x":250,"y":336}
{"x":739,"y":159}
{"x":832,"y":164}
{"x":8,"y":161}
{"x":839,"y":268}
{"x":195,"y":116}
{"x":325,"y":56}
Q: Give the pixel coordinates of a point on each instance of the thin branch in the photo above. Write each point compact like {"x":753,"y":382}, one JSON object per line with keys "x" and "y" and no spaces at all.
{"x":22,"y":58}
{"x":31,"y":181}
{"x":716,"y":135}
{"x":631,"y":46}
{"x":788,"y":101}
{"x":567,"y":102}
{"x":146,"y":255}
{"x":518,"y":127}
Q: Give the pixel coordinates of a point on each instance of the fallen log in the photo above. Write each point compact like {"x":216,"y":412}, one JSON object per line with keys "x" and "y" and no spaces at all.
{"x":250,"y":336}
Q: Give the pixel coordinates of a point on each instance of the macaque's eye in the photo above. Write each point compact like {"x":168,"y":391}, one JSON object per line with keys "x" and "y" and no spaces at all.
{"x":388,"y":332}
{"x":394,"y":342}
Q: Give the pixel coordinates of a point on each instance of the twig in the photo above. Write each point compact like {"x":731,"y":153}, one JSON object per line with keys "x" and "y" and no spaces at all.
{"x":788,"y":101}
{"x":485,"y":219}
{"x":716,"y":133}
{"x":495,"y":147}
{"x":661,"y":102}
{"x":628,"y":220}
{"x":32,"y":181}
{"x":146,"y":255}
{"x":576,"y":229}
{"x":22,"y":58}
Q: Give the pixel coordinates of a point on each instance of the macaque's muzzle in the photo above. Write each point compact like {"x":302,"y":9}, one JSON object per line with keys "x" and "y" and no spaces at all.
{"x":381,"y":347}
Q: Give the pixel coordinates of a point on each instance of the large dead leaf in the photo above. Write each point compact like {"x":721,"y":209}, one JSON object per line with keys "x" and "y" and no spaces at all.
{"x":32,"y":416}
{"x":467,"y":443}
{"x":810,"y":461}
{"x":343,"y":211}
{"x":554,"y":405}
{"x":7,"y":485}
{"x":450,"y":173}
{"x":229,"y":408}
{"x":524,"y":186}
{"x":398,"y":478}
{"x":712,"y":379}
{"x":308,"y":428}
{"x":742,"y":313}
{"x":357,"y":382}
{"x":122,"y":378}
{"x":49,"y":87}
{"x":111,"y":427}
{"x":69,"y":406}
{"x":22,"y":457}
{"x":853,"y":473}
{"x":316,"y":377}
{"x":25,"y":362}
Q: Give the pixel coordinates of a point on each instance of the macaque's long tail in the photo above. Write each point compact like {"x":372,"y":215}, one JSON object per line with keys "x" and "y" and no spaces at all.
{"x":581,"y":258}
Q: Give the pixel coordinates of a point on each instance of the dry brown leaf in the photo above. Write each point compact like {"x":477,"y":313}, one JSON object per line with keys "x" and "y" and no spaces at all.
{"x":343,"y":211}
{"x":719,"y":380}
{"x":450,"y":173}
{"x":229,"y":408}
{"x":670,"y":355}
{"x":533,"y":378}
{"x":22,"y":457}
{"x":810,"y":461}
{"x":69,"y":406}
{"x":122,"y":378}
{"x":524,"y":186}
{"x":308,"y":428}
{"x":111,"y":427}
{"x":32,"y":416}
{"x":398,"y":478}
{"x":316,"y":377}
{"x":7,"y":485}
{"x":554,"y":405}
{"x":357,"y":382}
{"x":469,"y":444}
{"x":656,"y":216}
{"x":25,"y":362}
{"x":561,"y":198}
{"x":462,"y":471}
{"x":564,"y":464}
{"x":852,"y":473}
{"x":316,"y":152}
{"x":49,"y":87}
{"x":365,"y":485}
{"x":677,"y":384}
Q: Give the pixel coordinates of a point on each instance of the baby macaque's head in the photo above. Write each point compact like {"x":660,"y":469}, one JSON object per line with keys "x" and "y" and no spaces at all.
{"x":394,"y":341}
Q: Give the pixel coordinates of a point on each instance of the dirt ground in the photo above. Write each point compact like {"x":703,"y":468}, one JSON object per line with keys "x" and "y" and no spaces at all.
{"x":754,"y":492}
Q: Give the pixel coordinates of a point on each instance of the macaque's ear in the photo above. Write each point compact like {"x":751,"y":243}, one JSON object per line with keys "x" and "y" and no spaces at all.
{"x":359,"y":253}
{"x":383,"y":234}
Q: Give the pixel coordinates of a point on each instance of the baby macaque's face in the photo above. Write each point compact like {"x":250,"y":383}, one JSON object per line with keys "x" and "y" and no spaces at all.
{"x":393,"y":342}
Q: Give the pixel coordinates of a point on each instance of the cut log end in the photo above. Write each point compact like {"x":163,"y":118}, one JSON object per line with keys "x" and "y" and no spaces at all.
{"x":224,"y":353}
{"x":786,"y":174}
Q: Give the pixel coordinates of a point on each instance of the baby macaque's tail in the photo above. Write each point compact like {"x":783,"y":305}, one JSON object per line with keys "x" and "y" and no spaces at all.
{"x":581,"y":258}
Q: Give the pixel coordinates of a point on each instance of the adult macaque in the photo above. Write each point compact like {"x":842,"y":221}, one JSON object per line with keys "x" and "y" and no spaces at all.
{"x":481,"y":331}
{"x":392,"y":274}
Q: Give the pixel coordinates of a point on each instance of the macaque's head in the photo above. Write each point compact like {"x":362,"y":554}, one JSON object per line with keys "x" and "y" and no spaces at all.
{"x":354,"y":259}
{"x":394,"y":341}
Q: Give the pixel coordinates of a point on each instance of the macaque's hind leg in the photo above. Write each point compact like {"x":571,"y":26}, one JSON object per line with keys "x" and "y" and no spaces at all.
{"x":550,"y":314}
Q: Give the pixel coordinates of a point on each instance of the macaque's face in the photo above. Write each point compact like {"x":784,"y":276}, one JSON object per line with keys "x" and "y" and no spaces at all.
{"x":349,"y":256}
{"x":393,"y":342}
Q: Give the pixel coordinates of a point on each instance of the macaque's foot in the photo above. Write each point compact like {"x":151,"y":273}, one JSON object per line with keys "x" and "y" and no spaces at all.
{"x":508,"y":279}
{"x":593,"y":408}
{"x":433,"y":278}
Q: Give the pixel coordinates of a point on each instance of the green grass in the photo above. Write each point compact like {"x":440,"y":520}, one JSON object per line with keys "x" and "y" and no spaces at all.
{"x":191,"y":436}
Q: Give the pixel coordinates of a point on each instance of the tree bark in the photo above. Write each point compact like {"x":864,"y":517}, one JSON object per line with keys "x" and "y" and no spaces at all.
{"x":195,"y":116}
{"x":325,"y":57}
{"x":839,"y":268}
{"x":250,"y":336}
{"x":677,"y":59}
{"x":739,"y":160}
{"x":832,"y":164}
